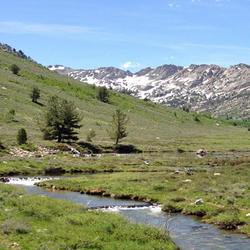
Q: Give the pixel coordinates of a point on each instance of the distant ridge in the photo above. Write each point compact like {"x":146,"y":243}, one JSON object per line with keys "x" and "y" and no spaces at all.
{"x":224,"y":92}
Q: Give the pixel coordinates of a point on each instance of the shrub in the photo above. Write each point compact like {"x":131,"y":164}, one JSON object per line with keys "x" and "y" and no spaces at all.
{"x":14,"y":69}
{"x":186,"y":109}
{"x":12,"y":225}
{"x":91,"y":134}
{"x":21,"y":136}
{"x":196,"y":118}
{"x":103,"y":94}
{"x":1,"y":145}
{"x":10,"y":115}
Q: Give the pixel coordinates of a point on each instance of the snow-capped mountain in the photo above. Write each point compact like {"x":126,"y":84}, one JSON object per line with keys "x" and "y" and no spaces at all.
{"x":221,"y":91}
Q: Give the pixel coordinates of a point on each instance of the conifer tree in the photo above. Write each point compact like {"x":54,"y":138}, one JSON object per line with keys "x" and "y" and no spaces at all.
{"x":118,"y":129}
{"x":60,"y":120}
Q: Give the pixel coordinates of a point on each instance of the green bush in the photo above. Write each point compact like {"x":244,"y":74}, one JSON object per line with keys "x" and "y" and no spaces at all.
{"x":12,"y":225}
{"x":103,"y":95}
{"x":10,"y":115}
{"x":14,"y":69}
{"x":1,"y":145}
{"x":196,"y":118}
{"x":91,"y":134}
{"x":21,"y":136}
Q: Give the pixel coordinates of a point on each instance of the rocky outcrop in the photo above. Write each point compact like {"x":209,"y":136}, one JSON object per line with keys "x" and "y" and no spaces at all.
{"x":13,"y":51}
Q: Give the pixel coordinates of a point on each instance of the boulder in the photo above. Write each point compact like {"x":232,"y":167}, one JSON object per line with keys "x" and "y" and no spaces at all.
{"x":201,"y":152}
{"x":199,"y":202}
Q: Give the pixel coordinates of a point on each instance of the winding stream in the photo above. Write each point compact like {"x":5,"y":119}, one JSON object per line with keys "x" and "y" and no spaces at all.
{"x":186,"y":232}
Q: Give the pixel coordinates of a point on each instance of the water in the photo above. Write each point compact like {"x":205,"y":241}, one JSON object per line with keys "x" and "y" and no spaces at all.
{"x":186,"y":232}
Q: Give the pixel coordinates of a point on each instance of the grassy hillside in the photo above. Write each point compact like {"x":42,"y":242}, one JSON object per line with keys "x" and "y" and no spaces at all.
{"x":151,"y":126}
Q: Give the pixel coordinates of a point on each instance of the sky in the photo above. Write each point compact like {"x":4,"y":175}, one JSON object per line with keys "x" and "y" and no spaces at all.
{"x":128,"y":34}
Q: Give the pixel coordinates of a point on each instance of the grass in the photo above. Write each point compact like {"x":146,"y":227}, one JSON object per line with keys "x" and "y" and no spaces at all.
{"x":225,"y":196}
{"x":32,"y":222}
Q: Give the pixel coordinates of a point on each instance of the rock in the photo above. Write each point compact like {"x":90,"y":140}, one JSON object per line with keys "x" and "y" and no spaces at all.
{"x":247,"y":214}
{"x":187,"y":180}
{"x":199,"y":202}
{"x":4,"y":179}
{"x":216,"y":174}
{"x":201,"y":152}
{"x":14,"y":244}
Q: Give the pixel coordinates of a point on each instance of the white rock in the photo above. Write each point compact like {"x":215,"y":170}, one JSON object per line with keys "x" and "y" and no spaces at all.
{"x":248,"y":214}
{"x":187,"y":180}
{"x":216,"y":174}
{"x":199,"y":202}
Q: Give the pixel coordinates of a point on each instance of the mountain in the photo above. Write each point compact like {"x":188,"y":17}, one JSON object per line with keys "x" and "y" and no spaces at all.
{"x":224,"y":92}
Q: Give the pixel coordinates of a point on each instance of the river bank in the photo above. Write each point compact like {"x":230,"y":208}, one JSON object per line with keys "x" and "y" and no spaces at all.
{"x":35,"y":222}
{"x":215,"y":196}
{"x":186,"y":232}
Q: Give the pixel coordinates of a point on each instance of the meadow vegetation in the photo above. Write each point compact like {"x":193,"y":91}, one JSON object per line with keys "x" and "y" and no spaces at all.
{"x":33,"y":222}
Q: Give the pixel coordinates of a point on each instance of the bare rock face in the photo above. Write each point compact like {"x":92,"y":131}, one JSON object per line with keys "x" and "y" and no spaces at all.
{"x":221,"y":91}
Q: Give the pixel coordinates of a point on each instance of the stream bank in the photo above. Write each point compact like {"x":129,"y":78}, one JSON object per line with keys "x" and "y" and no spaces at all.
{"x":186,"y":232}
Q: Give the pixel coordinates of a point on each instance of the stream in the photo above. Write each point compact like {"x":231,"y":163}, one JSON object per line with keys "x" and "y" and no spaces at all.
{"x":186,"y":231}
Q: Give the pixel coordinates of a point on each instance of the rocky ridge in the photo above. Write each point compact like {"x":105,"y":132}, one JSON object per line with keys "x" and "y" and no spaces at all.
{"x":13,"y":51}
{"x":221,"y":91}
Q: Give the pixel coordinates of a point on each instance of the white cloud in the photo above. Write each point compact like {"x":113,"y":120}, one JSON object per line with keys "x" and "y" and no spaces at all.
{"x":173,"y":5}
{"x":54,"y":29}
{"x":130,"y":65}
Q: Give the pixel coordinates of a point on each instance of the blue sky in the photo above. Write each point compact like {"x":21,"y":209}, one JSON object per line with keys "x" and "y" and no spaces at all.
{"x":131,"y":34}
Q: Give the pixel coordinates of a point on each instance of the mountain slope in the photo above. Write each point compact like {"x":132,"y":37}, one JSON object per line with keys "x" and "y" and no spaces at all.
{"x":224,"y":92}
{"x":151,"y":126}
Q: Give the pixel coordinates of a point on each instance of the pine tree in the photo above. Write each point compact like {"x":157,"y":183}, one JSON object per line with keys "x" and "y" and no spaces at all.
{"x":117,"y":129}
{"x":35,"y":94}
{"x":60,"y":120}
{"x":21,"y":136}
